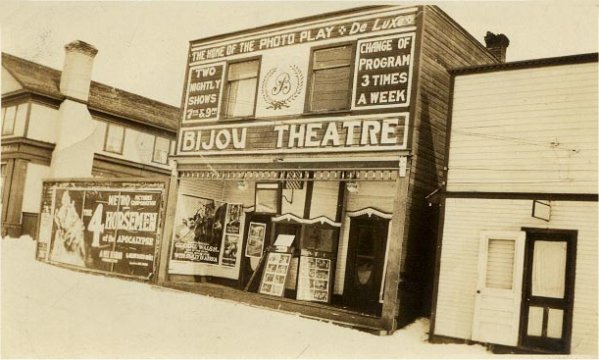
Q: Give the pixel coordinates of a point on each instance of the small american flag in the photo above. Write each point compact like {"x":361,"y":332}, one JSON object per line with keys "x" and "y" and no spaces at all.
{"x":293,"y":180}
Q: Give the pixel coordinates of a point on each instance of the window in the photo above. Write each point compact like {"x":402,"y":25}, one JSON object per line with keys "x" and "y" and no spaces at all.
{"x":115,"y":137}
{"x":8,"y":120}
{"x":240,"y":91}
{"x":330,"y":82}
{"x":267,"y":198}
{"x":161,"y":150}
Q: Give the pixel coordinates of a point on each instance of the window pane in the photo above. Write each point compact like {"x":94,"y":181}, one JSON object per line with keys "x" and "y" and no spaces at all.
{"x":549,"y":269}
{"x":8,"y":126}
{"x":330,"y":89}
{"x":535,"y":321}
{"x":21,"y":118}
{"x":243,"y":70}
{"x":555,"y":321}
{"x":327,"y":58}
{"x":500,"y":263}
{"x":114,"y":139}
{"x":266,"y":200}
{"x":240,"y":97}
{"x":161,"y":150}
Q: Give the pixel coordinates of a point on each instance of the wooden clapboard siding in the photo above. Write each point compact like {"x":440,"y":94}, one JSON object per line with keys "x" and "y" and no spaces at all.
{"x":528,"y":130}
{"x":466,"y":218}
{"x":324,"y":199}
{"x":203,"y":188}
{"x":444,"y":45}
{"x":232,"y":194}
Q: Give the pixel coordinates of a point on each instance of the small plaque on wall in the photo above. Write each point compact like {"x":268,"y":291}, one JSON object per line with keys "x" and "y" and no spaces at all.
{"x":541,"y":210}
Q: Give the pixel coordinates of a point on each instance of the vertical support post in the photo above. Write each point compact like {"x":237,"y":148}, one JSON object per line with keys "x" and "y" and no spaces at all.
{"x":395,"y":245}
{"x":169,"y":223}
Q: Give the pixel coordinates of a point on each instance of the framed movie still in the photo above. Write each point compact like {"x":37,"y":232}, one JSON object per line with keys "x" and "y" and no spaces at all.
{"x":275,"y":274}
{"x":255,"y":241}
{"x":314,"y":280}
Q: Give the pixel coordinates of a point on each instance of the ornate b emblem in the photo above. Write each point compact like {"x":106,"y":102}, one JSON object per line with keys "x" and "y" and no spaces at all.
{"x":282,"y":86}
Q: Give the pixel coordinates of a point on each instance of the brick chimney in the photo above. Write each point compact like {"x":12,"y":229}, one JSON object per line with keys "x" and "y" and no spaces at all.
{"x":497,"y":45}
{"x":77,"y":70}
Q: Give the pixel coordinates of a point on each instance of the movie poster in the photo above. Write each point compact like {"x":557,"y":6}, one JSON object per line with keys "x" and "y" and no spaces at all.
{"x":234,"y":212}
{"x":108,"y":229}
{"x":199,"y":235}
{"x":255,"y":242}
{"x":230,"y":250}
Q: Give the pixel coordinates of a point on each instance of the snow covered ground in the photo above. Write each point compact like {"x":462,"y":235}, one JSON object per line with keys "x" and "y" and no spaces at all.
{"x":48,"y":312}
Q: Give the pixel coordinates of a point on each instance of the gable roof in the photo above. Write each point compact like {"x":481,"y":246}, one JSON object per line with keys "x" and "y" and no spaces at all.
{"x":45,"y":81}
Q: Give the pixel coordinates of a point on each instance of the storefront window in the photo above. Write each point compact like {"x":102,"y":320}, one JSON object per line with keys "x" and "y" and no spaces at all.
{"x":115,"y":137}
{"x":330,"y":86}
{"x":267,"y":198}
{"x":240,"y":92}
{"x":319,"y":238}
{"x":161,"y":150}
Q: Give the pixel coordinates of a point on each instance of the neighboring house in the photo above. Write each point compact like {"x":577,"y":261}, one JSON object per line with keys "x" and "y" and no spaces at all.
{"x":63,"y":125}
{"x":326,"y":134}
{"x":517,"y":264}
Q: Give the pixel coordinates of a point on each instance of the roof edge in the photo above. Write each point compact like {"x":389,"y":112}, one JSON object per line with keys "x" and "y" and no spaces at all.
{"x":525,"y":64}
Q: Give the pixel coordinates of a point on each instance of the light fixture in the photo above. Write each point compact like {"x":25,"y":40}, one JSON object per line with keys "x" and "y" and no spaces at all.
{"x":242,"y":185}
{"x":352,"y":186}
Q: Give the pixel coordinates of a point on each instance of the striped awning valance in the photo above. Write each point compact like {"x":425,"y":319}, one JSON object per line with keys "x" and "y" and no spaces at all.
{"x":292,"y":175}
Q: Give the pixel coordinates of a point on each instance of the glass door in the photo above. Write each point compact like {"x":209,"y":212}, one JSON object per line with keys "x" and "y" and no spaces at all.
{"x":547,"y":302}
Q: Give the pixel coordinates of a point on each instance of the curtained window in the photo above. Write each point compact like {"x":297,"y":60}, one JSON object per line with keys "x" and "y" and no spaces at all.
{"x":240,"y":91}
{"x":330,"y":88}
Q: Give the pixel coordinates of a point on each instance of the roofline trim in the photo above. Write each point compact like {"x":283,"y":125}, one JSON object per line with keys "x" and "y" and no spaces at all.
{"x":526,"y":64}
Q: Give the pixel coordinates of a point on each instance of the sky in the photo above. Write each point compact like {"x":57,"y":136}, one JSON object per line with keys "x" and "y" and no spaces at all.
{"x":143,"y":45}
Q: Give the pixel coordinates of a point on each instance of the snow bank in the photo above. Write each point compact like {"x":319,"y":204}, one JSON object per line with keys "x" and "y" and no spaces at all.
{"x":48,"y":311}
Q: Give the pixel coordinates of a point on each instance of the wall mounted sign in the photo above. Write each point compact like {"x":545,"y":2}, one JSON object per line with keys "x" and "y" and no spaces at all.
{"x":204,"y":85}
{"x":541,"y":210}
{"x":306,"y":34}
{"x":105,"y":226}
{"x":364,"y":133}
{"x":383,"y":74}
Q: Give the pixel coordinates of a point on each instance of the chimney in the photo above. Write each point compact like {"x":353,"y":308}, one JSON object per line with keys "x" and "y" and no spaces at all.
{"x":497,"y":45}
{"x":77,"y":70}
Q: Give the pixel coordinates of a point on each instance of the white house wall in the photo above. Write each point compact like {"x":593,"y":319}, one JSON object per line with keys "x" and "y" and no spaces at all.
{"x":32,"y":196}
{"x":529,"y":130}
{"x":42,"y":123}
{"x":466,"y":218}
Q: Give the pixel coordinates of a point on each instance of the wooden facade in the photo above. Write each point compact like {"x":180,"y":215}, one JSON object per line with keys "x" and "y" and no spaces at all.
{"x":329,"y":131}
{"x":517,"y":265}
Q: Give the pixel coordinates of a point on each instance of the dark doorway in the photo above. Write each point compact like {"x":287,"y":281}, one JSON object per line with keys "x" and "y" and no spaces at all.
{"x":365,"y":263}
{"x":548,"y":290}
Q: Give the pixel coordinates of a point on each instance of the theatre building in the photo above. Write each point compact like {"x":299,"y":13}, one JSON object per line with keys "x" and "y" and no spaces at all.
{"x":60,"y":124}
{"x":304,"y":158}
{"x":517,"y":266}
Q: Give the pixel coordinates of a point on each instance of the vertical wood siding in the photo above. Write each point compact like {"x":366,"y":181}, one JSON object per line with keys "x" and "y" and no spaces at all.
{"x":466,"y":218}
{"x":206,"y":189}
{"x":324,"y":199}
{"x":529,"y":130}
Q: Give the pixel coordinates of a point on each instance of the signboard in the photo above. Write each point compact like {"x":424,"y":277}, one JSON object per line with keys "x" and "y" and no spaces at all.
{"x":101,"y":225}
{"x":204,"y":85}
{"x":332,"y":30}
{"x":383,"y":74}
{"x":363,"y":133}
{"x":275,"y":274}
{"x":255,"y":242}
{"x":314,"y":279}
{"x":206,"y":237}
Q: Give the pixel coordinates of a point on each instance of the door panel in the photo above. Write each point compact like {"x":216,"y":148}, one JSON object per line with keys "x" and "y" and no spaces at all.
{"x":365,"y":263}
{"x":548,"y":290}
{"x":498,"y":296}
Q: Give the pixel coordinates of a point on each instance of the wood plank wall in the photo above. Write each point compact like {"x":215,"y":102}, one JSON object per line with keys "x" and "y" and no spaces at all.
{"x":445,"y":45}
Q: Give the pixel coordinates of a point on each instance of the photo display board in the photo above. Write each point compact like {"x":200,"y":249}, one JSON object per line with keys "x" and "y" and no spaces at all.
{"x":106,"y":226}
{"x":275,"y":274}
{"x":314,"y":278}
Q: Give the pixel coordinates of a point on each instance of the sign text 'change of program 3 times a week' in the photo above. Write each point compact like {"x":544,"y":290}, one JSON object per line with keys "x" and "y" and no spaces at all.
{"x":110,"y":230}
{"x":383,"y":72}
